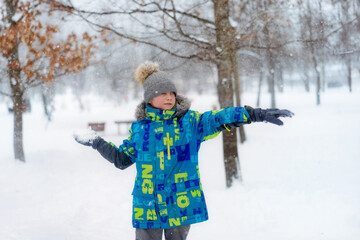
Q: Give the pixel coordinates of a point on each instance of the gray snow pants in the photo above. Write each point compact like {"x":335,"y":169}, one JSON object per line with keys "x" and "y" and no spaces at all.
{"x":177,"y":233}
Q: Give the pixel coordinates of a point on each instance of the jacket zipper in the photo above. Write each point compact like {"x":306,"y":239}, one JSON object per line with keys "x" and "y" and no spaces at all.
{"x":168,"y":145}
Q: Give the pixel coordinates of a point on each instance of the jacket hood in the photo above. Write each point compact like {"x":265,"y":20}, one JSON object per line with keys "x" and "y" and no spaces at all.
{"x":182,"y":104}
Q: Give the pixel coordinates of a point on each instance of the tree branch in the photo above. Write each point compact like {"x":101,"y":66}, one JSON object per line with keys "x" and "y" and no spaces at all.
{"x":165,"y":33}
{"x":184,"y":13}
{"x":325,"y":37}
{"x":5,"y":94}
{"x":70,"y":8}
{"x":187,"y":39}
{"x":137,"y":39}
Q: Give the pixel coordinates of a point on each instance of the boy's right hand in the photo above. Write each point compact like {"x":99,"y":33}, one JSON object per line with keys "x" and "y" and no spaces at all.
{"x":87,"y":137}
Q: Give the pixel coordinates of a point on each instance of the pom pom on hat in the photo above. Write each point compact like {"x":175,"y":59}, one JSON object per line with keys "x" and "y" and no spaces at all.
{"x":154,"y":81}
{"x":144,"y":70}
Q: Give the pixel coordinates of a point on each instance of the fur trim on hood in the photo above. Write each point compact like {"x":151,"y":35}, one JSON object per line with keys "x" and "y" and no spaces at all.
{"x":183,"y":105}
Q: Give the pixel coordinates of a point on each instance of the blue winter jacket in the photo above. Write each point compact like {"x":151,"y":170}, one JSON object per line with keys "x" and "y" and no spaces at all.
{"x":164,"y":145}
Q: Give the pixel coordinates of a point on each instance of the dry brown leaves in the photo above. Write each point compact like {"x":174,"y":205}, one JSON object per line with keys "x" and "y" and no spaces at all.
{"x":41,"y":44}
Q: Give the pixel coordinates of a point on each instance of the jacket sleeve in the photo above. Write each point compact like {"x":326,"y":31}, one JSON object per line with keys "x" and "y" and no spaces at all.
{"x":211,"y":123}
{"x":122,"y":156}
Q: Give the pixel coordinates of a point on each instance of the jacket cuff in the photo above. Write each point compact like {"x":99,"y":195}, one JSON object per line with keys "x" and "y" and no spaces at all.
{"x":96,"y":142}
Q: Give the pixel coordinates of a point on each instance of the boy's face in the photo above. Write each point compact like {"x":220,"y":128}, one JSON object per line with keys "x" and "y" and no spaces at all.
{"x":165,"y":101}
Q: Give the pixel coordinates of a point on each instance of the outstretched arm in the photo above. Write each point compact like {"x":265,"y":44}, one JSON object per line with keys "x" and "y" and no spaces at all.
{"x":230,"y":117}
{"x":211,"y":123}
{"x":108,"y":150}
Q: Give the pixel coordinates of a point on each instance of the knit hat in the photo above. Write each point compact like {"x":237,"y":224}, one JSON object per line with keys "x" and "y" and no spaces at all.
{"x":154,"y":81}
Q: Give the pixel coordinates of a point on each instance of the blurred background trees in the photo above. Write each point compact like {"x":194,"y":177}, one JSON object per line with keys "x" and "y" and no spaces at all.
{"x":224,"y":47}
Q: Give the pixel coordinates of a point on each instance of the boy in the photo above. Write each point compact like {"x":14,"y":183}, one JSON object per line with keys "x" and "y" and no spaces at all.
{"x":164,"y":143}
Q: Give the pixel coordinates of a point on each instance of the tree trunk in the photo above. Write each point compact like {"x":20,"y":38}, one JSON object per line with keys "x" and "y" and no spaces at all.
{"x":224,"y":41}
{"x":306,"y":79}
{"x":313,"y":56}
{"x":237,"y":91}
{"x":261,"y":78}
{"x":317,"y":72}
{"x":17,"y":88}
{"x":225,"y":92}
{"x":271,"y":78}
{"x":318,"y":78}
{"x":18,"y":128}
{"x":349,"y":73}
{"x":323,"y":76}
{"x":271,"y":68}
{"x":280,"y":79}
{"x":45,"y":103}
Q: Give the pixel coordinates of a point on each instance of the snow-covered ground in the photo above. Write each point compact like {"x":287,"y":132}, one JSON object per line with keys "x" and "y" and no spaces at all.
{"x":301,"y":180}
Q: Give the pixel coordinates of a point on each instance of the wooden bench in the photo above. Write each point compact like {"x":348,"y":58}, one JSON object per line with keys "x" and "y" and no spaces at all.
{"x":97,"y":126}
{"x":127,"y":123}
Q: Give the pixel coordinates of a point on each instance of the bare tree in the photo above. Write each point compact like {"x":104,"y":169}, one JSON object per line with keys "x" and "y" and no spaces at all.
{"x":186,"y":31}
{"x":312,"y":35}
{"x":328,"y":37}
{"x":347,"y":46}
{"x":225,"y":39}
{"x":263,"y":28}
{"x":212,"y":31}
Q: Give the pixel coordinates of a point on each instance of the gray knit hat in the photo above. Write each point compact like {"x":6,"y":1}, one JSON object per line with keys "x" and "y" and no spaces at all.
{"x":154,"y":81}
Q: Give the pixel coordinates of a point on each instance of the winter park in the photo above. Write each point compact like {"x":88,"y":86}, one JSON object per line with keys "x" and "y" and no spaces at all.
{"x":110,"y":111}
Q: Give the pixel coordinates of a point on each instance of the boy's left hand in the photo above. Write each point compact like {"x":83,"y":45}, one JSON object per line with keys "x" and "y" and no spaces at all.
{"x":270,"y":115}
